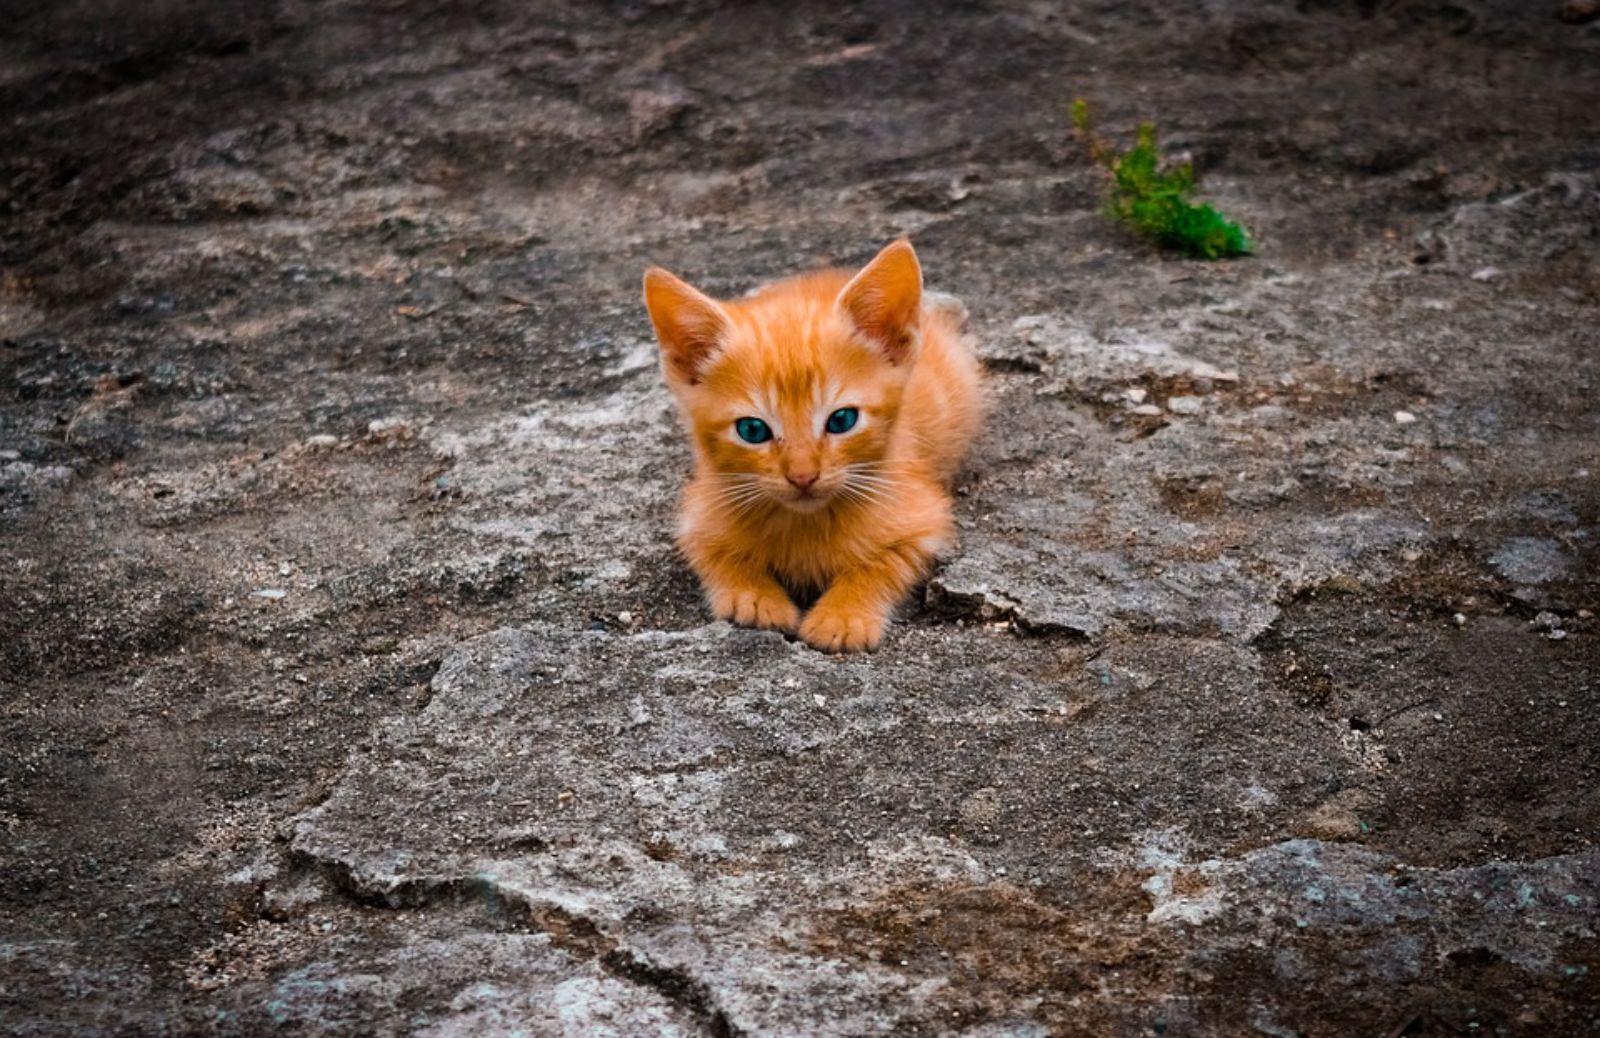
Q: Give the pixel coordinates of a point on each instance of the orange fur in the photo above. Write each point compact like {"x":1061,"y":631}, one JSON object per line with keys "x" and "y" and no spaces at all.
{"x":853,"y":517}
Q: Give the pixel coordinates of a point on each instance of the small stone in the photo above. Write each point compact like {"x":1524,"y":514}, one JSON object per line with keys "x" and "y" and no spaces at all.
{"x":1404,"y":418}
{"x":1135,"y":395}
{"x":820,"y":699}
{"x":1184,"y":404}
{"x":1146,"y":409}
{"x":1460,"y":620}
{"x":1438,"y":716}
{"x":1546,"y":620}
{"x":1486,"y":273}
{"x":625,"y":618}
{"x":322,"y":441}
{"x":1585,"y":614}
{"x":269,"y":592}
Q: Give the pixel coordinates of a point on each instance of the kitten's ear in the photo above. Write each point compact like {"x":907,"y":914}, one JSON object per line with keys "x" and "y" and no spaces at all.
{"x":884,"y":301}
{"x":689,"y":324}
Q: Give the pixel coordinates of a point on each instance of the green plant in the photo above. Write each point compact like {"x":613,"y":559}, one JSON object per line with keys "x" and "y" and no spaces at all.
{"x":1155,"y":202}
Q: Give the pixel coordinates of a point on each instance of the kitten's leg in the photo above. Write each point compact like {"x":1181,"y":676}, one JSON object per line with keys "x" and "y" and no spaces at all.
{"x":851,"y":614}
{"x":740,"y":589}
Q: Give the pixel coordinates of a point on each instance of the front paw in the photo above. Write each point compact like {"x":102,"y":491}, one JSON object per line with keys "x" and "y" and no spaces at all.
{"x":766,"y":610}
{"x":835,"y":629}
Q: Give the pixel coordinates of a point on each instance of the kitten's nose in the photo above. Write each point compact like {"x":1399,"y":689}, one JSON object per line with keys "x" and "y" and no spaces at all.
{"x":802,"y":480}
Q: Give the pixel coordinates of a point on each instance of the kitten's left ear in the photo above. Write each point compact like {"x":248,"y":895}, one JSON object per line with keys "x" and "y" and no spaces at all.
{"x":884,"y":301}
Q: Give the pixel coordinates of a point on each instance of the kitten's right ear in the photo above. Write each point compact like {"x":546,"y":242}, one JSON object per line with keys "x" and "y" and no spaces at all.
{"x":690,"y":325}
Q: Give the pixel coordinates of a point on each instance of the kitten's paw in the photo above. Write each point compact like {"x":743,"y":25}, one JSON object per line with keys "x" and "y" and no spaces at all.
{"x":842,"y":630}
{"x":770,"y":612}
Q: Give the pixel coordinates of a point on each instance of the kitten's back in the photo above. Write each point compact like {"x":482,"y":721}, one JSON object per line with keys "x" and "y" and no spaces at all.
{"x":944,"y":399}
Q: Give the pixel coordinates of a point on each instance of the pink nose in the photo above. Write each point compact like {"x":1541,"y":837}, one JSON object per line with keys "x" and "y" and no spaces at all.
{"x":803,"y":480}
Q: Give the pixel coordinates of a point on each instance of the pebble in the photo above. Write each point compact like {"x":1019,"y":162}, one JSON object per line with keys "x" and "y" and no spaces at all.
{"x":322,"y":441}
{"x":1135,"y":395}
{"x":1184,"y":404}
{"x":820,"y":699}
{"x":1404,"y":417}
{"x":1460,"y":620}
{"x":1486,"y":273}
{"x":1146,"y":409}
{"x":1550,"y":624}
{"x":269,"y":592}
{"x":625,"y":618}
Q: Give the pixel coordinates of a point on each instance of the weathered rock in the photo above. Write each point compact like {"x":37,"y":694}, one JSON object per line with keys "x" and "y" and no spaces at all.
{"x":1184,"y":736}
{"x":630,"y":789}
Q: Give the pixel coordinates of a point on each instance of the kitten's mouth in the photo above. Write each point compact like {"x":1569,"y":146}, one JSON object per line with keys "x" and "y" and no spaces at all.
{"x":807,"y":500}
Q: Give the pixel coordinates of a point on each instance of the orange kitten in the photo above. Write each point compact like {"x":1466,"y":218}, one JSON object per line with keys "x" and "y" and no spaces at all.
{"x":828,"y":414}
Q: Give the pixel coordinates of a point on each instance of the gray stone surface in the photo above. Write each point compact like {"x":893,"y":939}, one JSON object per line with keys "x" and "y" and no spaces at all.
{"x":722,"y":816}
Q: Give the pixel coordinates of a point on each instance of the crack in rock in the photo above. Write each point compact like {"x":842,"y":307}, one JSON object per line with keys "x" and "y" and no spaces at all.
{"x":570,"y":930}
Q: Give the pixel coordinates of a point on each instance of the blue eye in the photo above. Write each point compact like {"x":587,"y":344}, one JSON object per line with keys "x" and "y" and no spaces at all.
{"x":753,"y":430}
{"x":842,"y":420}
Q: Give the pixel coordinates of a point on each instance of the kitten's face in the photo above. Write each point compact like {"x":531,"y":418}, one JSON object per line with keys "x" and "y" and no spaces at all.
{"x":791,"y":395}
{"x":798,"y":432}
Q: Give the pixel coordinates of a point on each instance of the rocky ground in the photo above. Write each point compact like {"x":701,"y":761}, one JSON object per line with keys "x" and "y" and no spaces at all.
{"x":349,"y":683}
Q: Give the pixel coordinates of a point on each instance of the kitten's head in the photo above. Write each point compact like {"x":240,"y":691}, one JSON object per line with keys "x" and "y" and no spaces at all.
{"x":791,"y":394}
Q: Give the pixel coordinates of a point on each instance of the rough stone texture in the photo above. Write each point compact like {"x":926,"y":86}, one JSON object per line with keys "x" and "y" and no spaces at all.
{"x":741,"y":822}
{"x":349,"y":683}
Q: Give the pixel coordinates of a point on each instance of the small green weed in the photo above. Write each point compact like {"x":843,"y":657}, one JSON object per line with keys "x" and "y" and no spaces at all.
{"x":1155,"y":202}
